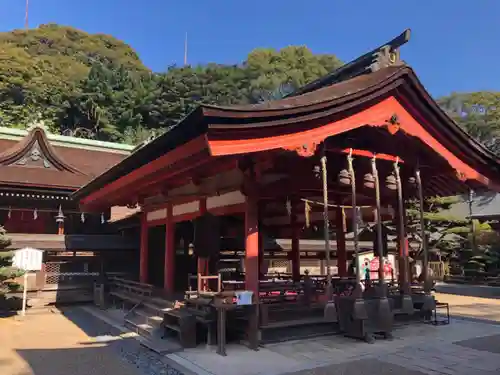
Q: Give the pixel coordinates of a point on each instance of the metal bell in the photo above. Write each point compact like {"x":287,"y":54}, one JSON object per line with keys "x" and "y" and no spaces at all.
{"x":369,"y":181}
{"x":344,"y":177}
{"x":390,"y":182}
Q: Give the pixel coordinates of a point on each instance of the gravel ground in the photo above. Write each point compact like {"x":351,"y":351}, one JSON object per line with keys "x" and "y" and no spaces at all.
{"x":146,"y":361}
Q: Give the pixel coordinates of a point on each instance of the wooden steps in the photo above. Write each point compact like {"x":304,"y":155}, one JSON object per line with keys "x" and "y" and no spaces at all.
{"x":137,"y":325}
{"x":284,"y":322}
{"x":297,"y":330}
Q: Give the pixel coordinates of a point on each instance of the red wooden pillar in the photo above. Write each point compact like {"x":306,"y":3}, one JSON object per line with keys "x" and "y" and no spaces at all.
{"x":252,"y":244}
{"x":295,"y":253}
{"x":143,"y":262}
{"x":169,"y":265}
{"x":203,"y":262}
{"x":262,"y":268}
{"x":341,"y":245}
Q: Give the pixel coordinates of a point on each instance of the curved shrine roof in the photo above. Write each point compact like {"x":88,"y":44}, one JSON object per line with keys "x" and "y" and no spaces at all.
{"x":308,"y":110}
{"x":31,"y":159}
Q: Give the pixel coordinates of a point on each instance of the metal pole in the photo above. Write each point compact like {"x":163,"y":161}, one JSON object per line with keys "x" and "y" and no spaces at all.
{"x":381,"y":276}
{"x":472,"y":225}
{"x":326,"y":224}
{"x":402,"y":223}
{"x":354,"y":215}
{"x":25,"y":293}
{"x":422,"y":230}
{"x":26,"y":23}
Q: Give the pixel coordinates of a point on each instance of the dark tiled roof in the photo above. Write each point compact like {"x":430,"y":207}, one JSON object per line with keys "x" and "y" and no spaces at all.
{"x":68,"y":167}
{"x":484,"y":206}
{"x":487,"y":207}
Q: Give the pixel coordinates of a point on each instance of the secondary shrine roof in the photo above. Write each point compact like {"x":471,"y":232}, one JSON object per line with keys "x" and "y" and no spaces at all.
{"x":38,"y":159}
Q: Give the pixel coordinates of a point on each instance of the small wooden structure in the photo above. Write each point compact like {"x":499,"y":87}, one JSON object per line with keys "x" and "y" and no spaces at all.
{"x":359,"y":142}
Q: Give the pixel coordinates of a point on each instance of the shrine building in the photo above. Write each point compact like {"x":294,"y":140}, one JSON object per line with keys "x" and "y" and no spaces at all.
{"x":362,"y":141}
{"x":38,"y":173}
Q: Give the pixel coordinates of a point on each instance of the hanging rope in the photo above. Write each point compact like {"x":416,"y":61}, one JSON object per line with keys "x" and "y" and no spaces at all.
{"x":331,"y":205}
{"x":307,"y":210}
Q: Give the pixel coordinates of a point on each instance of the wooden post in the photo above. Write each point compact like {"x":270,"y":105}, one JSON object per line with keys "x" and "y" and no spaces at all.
{"x":423,"y":234}
{"x":252,"y":243}
{"x":341,"y":245}
{"x":295,"y":253}
{"x":262,"y":268}
{"x":326,"y":228}
{"x":380,"y":239}
{"x":169,"y":266}
{"x":202,"y":262}
{"x":143,"y":262}
{"x":403,"y":266}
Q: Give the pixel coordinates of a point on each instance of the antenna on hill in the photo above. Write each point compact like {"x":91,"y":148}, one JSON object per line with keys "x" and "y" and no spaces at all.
{"x":26,"y":24}
{"x":185,"y":49}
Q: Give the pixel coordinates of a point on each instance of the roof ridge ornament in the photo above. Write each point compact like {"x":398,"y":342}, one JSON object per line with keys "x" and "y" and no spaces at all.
{"x":379,"y":58}
{"x":393,"y":124}
{"x":38,"y":123}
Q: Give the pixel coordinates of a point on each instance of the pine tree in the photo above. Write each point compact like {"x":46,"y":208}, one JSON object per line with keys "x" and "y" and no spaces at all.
{"x":7,"y":272}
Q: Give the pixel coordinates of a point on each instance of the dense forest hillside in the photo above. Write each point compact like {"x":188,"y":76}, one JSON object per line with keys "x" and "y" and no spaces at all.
{"x":96,"y":86}
{"x":93,"y":85}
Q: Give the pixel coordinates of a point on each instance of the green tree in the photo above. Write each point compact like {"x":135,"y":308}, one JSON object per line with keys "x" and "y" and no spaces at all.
{"x":7,"y":272}
{"x":289,"y":68}
{"x":478,"y":113}
{"x":468,"y":245}
{"x":93,"y":85}
{"x":41,"y":68}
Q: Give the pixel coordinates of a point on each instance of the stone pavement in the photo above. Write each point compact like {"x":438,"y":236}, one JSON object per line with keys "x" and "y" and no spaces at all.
{"x":50,"y":344}
{"x":416,"y":349}
{"x":65,"y":344}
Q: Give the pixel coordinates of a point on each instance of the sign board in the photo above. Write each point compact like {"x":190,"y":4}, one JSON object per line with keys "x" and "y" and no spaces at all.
{"x":370,"y":264}
{"x":28,"y":259}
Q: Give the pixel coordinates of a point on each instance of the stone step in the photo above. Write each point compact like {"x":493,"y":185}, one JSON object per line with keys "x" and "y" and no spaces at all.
{"x":148,"y":318}
{"x":136,"y":325}
{"x":297,"y":330}
{"x":157,"y":306}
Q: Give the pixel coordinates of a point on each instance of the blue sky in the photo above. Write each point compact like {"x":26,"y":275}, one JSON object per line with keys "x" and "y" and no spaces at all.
{"x":454,"y":46}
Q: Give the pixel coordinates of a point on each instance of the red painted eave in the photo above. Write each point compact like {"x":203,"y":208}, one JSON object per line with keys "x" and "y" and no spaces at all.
{"x":136,"y":182}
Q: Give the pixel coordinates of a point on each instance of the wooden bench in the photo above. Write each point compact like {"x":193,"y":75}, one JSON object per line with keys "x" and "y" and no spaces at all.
{"x":181,"y":323}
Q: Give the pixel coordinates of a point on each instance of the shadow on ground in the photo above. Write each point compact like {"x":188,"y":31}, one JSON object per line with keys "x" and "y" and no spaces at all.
{"x":360,"y":367}
{"x":489,"y":344}
{"x":74,"y":361}
{"x":478,"y":312}
{"x":465,"y":290}
{"x":126,"y":347}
